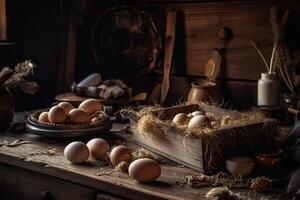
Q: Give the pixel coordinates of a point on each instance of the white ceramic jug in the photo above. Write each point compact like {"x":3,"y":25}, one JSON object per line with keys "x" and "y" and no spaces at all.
{"x":268,"y":90}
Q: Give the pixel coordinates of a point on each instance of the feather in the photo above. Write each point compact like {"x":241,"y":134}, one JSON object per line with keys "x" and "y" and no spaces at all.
{"x":222,"y":193}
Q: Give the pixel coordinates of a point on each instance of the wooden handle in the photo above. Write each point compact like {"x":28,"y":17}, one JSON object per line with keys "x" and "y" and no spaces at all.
{"x":293,"y":111}
{"x":169,"y":49}
{"x":213,"y":65}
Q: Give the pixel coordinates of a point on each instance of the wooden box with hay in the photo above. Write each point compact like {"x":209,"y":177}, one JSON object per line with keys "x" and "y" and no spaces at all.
{"x":203,"y":149}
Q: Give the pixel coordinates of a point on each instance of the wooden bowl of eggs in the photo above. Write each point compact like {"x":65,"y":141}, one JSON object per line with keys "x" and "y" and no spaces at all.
{"x":65,"y":121}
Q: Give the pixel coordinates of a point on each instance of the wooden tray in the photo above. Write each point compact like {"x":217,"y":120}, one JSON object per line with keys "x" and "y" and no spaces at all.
{"x":191,"y":151}
{"x":66,"y":130}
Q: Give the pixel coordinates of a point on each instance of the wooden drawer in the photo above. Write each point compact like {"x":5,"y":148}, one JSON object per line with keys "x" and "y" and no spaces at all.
{"x":17,"y":183}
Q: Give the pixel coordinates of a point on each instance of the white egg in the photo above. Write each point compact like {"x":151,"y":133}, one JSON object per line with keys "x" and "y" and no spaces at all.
{"x":180,"y":119}
{"x":76,"y":152}
{"x":198,"y":112}
{"x":199,"y":121}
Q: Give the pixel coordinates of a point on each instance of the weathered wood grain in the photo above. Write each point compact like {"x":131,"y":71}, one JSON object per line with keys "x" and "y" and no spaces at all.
{"x":18,"y":183}
{"x":3,"y":28}
{"x":29,"y":157}
{"x":237,"y":94}
{"x":198,"y":35}
{"x":206,"y":154}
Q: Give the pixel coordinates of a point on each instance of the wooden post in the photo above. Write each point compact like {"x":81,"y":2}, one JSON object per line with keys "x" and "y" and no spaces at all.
{"x":3,"y":35}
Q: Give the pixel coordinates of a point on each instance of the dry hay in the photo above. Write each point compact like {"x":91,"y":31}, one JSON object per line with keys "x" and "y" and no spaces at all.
{"x":228,"y":133}
{"x":153,"y":126}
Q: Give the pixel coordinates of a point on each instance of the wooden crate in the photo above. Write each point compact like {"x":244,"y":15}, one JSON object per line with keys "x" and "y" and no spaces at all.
{"x":204,"y":154}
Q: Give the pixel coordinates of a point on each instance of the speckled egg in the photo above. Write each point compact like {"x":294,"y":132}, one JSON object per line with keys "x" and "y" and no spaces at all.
{"x":98,"y":147}
{"x":119,"y":154}
{"x":57,"y":115}
{"x":144,"y":170}
{"x":76,"y":152}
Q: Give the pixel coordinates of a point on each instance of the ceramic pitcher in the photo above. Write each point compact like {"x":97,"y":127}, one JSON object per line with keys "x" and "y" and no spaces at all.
{"x":268,"y":90}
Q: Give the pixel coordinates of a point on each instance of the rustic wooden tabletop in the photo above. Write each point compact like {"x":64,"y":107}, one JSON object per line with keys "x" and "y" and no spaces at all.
{"x":45,"y":156}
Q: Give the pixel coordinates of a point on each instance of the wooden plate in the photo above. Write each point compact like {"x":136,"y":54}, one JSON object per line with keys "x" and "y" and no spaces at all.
{"x":66,"y":130}
{"x":76,"y":100}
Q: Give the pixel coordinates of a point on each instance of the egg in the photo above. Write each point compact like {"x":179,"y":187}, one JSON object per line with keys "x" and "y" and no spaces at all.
{"x":97,"y":147}
{"x":199,"y":121}
{"x":78,"y":116}
{"x":66,"y":106}
{"x":76,"y":152}
{"x":119,"y":154}
{"x":95,"y":119}
{"x":180,"y":119}
{"x":198,"y":112}
{"x":43,"y":117}
{"x":57,"y":115}
{"x":144,"y":170}
{"x":215,"y":123}
{"x":90,"y":106}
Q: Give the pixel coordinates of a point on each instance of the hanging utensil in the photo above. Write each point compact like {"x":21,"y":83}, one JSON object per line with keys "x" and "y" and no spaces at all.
{"x":169,"y":49}
{"x":213,"y":66}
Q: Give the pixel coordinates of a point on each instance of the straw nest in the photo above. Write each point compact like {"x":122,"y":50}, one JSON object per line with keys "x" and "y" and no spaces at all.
{"x":150,"y":121}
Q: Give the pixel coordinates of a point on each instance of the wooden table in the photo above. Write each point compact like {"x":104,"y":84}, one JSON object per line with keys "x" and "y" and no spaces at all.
{"x":38,"y":170}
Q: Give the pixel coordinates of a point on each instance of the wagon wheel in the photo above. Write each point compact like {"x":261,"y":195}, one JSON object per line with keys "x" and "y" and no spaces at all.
{"x":125,"y":43}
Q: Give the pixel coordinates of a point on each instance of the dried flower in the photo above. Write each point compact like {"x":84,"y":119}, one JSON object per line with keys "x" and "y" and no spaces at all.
{"x":260,"y":183}
{"x":16,"y":78}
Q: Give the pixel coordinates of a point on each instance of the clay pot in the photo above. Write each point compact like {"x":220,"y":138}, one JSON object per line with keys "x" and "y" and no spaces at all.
{"x":7,"y":108}
{"x":204,"y":92}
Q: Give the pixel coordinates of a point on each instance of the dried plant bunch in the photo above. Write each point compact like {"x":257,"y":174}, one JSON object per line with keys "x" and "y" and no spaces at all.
{"x":285,"y":57}
{"x":12,"y":78}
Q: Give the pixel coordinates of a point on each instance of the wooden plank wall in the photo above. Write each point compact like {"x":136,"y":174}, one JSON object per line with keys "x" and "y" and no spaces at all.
{"x":198,"y":26}
{"x":36,"y":29}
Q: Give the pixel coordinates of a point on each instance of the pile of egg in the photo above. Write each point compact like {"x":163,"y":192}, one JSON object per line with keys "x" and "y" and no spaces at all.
{"x":64,"y":112}
{"x":196,"y":119}
{"x":142,"y":169}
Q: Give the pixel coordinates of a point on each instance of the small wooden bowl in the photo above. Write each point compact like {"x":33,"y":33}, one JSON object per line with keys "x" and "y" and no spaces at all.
{"x":240,"y":166}
{"x":66,"y":130}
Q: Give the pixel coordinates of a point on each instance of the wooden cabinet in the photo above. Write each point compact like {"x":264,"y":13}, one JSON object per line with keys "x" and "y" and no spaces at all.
{"x":21,"y":184}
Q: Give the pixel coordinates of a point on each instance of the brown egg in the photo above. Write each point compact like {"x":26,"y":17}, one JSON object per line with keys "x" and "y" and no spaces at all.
{"x":144,"y":170}
{"x":43,"y":117}
{"x":119,"y":154}
{"x":57,"y":115}
{"x":78,"y":116}
{"x":199,"y":121}
{"x":95,"y":119}
{"x":90,"y":106}
{"x":180,"y":119}
{"x":76,"y":152}
{"x":97,"y":147}
{"x":66,"y":106}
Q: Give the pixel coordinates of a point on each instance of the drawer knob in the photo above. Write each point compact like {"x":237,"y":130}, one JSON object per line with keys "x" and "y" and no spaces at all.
{"x":46,"y":195}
